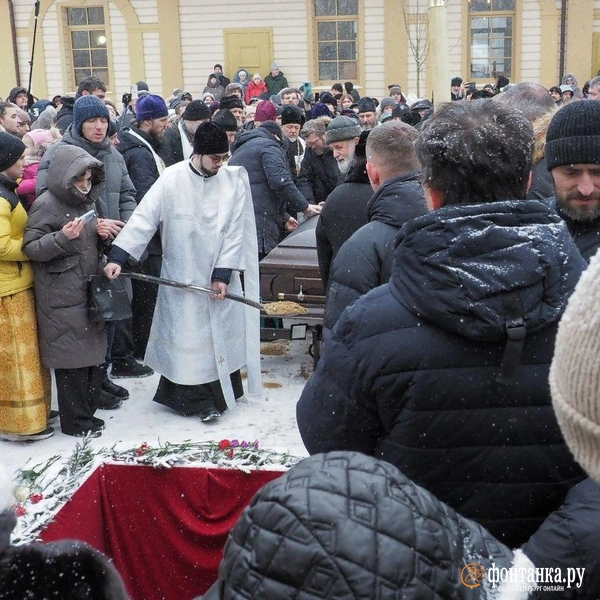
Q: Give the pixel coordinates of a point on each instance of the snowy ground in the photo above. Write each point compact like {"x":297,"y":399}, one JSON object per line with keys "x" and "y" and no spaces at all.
{"x":271,"y":419}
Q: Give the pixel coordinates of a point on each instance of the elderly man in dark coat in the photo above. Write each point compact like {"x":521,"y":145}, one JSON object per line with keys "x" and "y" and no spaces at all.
{"x":345,"y":209}
{"x":443,"y":371}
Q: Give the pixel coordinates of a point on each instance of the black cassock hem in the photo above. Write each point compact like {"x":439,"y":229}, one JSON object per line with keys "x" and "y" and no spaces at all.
{"x":193,"y":399}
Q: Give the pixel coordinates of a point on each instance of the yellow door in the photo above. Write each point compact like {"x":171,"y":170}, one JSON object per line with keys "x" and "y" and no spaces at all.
{"x":595,"y":55}
{"x":250,"y":49}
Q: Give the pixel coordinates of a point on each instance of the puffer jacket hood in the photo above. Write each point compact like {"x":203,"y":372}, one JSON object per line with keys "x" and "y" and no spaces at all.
{"x":395,"y":202}
{"x":68,"y":163}
{"x":453,"y":266}
{"x":345,"y":525}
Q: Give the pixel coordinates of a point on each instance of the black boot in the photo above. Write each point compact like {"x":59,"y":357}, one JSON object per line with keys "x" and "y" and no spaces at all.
{"x":110,"y":387}
{"x":129,"y":368}
{"x":106,"y":401}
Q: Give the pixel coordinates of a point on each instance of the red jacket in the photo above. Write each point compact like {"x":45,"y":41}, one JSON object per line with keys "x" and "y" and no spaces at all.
{"x":255,"y":89}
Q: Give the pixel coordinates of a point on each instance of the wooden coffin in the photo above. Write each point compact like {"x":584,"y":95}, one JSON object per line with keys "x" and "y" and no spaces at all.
{"x":291,"y":272}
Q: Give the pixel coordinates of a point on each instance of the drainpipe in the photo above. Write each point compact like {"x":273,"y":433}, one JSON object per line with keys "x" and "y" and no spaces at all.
{"x":13,"y":32}
{"x":563,"y":40}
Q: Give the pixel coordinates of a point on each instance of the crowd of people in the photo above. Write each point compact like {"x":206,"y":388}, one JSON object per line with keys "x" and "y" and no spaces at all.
{"x":454,"y":248}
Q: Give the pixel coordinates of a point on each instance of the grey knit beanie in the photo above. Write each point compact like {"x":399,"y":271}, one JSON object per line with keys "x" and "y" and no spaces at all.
{"x":340,"y":129}
{"x":575,"y":370}
{"x":574,"y":135}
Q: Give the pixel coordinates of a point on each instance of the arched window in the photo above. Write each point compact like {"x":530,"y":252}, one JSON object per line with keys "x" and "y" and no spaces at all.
{"x":491,"y":35}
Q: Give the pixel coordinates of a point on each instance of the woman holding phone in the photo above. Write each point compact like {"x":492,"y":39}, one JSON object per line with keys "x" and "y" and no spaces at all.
{"x":24,"y":384}
{"x":63,"y":238}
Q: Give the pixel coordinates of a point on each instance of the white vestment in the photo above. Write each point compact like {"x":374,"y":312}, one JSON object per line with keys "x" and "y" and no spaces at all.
{"x":204,"y":224}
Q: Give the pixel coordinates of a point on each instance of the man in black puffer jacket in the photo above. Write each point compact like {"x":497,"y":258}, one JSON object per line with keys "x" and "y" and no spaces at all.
{"x":274,"y":194}
{"x":346,"y":526}
{"x":444,"y":370}
{"x":365,"y":260}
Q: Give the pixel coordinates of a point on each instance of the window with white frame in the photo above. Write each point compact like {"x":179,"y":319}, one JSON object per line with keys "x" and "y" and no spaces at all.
{"x":336,"y":23}
{"x":87,"y":43}
{"x":491,"y":38}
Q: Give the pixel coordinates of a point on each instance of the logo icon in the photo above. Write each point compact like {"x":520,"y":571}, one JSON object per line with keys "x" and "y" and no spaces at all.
{"x":472,"y":575}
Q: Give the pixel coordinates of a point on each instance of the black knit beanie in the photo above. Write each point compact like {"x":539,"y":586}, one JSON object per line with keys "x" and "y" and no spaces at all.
{"x":210,"y":138}
{"x":196,"y":110}
{"x":225,"y":119}
{"x":574,"y":135}
{"x":11,"y":149}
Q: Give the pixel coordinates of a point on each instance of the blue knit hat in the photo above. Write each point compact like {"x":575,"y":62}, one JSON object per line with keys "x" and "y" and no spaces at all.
{"x":151,"y":107}
{"x":88,"y":107}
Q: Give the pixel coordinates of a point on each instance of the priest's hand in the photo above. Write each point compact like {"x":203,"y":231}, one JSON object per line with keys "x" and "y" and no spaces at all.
{"x":112,"y":270}
{"x":219,"y":289}
{"x":312,"y":210}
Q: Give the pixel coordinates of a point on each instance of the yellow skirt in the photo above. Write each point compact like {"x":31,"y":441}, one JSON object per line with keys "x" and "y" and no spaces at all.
{"x":24,"y":384}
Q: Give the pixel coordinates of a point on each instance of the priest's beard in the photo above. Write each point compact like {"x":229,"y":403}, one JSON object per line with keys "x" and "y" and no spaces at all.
{"x":344,"y":164}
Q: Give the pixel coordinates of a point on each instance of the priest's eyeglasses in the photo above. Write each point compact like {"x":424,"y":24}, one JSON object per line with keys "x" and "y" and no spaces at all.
{"x":217,"y":159}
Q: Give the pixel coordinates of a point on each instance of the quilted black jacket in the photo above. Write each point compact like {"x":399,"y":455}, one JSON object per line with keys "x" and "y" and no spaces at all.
{"x":412,"y":370}
{"x":346,"y":526}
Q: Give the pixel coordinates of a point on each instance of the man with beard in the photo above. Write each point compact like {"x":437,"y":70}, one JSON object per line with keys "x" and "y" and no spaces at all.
{"x":345,"y":209}
{"x":292,"y":120}
{"x":319,"y":173}
{"x":573,"y":157}
{"x":177,"y":141}
{"x":367,"y":113}
{"x":139,"y":146}
{"x":237,"y":107}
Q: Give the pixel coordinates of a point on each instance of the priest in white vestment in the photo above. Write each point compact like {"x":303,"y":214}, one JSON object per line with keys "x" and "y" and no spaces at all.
{"x":198,"y":343}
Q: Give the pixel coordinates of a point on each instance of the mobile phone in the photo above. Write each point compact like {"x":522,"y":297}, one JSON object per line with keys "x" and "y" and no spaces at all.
{"x":134,"y":92}
{"x":87,"y":217}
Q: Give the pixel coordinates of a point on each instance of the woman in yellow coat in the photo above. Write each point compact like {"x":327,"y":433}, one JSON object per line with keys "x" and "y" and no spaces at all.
{"x":24,"y":383}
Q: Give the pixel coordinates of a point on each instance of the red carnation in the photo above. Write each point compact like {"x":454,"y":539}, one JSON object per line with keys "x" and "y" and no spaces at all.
{"x":142,"y":449}
{"x":224,"y":444}
{"x":35,"y":498}
{"x":20,"y":510}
